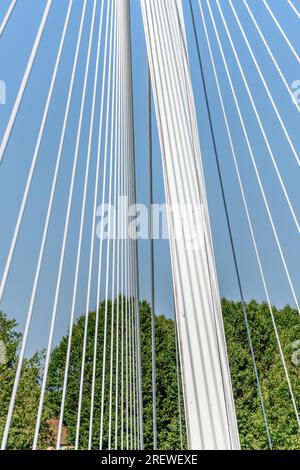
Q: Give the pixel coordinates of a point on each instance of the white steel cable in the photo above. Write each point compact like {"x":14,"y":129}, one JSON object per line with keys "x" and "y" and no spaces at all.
{"x":125,"y":32}
{"x":230,"y":233}
{"x":126,"y":260}
{"x":92,"y":235}
{"x":15,"y":110}
{"x":130,"y":318}
{"x":119,"y":252}
{"x":152,"y":285}
{"x":135,"y":257}
{"x":131,"y":343}
{"x":118,"y":247}
{"x":108,"y":39}
{"x":134,"y":362}
{"x":122,"y":311}
{"x":122,"y":218}
{"x":129,"y":273}
{"x":126,"y":284}
{"x":138,"y":434}
{"x":9,"y":129}
{"x":133,"y":380}
{"x":108,"y":15}
{"x":282,"y":357}
{"x":137,"y":392}
{"x":126,"y":264}
{"x":110,"y":406}
{"x":270,"y":53}
{"x":267,"y":88}
{"x":127,"y":376}
{"x":53,"y":190}
{"x":80,"y":230}
{"x":130,"y":366}
{"x":117,"y":356}
{"x":121,"y":231}
{"x":132,"y":349}
{"x":178,"y":385}
{"x":7,"y":16}
{"x":134,"y":274}
{"x":130,"y":339}
{"x":247,"y":212}
{"x":114,"y":234}
{"x":254,"y":164}
{"x":135,"y":373}
{"x":34,"y":159}
{"x":92,"y":246}
{"x":65,"y":236}
{"x":126,"y":310}
{"x":112,"y":132}
{"x":294,"y":8}
{"x":130,"y":282}
{"x":262,"y":128}
{"x":281,"y":30}
{"x":133,"y":290}
{"x":122,"y":351}
{"x":138,"y":358}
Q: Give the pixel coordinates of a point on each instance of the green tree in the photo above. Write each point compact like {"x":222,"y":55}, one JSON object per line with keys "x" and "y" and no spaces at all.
{"x":281,"y":415}
{"x":280,"y":411}
{"x":168,"y":423}
{"x":26,"y":405}
{"x":167,"y":389}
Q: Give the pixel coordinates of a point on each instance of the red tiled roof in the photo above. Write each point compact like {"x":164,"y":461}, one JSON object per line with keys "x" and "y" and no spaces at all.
{"x":54,"y":423}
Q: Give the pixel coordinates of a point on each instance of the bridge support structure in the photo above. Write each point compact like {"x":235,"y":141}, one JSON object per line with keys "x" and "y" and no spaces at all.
{"x":209,"y":404}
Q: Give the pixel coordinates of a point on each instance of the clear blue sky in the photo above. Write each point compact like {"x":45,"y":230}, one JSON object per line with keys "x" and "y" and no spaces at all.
{"x":15,"y":47}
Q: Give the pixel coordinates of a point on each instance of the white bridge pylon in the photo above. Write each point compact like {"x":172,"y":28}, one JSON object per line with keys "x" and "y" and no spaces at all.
{"x":209,"y":404}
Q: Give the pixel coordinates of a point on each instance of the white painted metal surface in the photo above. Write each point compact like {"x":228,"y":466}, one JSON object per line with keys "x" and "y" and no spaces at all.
{"x":210,"y":413}
{"x":125,"y":44}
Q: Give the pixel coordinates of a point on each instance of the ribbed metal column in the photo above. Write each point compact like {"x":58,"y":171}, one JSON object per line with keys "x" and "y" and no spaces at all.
{"x":211,"y":420}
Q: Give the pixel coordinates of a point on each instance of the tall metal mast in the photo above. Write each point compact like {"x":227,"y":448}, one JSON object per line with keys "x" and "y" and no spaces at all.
{"x":124,"y":32}
{"x":210,"y":412}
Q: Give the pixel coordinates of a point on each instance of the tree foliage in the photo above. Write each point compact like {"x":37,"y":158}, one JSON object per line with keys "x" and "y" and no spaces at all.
{"x":281,"y":416}
{"x":280,"y":412}
{"x":167,"y":400}
{"x":26,"y":405}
